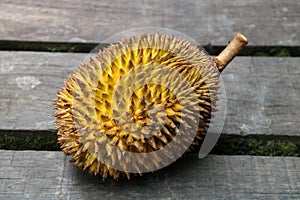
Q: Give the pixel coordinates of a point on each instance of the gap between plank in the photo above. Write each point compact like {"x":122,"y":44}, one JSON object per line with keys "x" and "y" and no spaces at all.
{"x":252,"y":144}
{"x":10,"y":45}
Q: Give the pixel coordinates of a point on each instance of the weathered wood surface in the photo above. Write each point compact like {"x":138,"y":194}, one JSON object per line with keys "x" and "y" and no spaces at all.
{"x":264,"y":22}
{"x":49,"y":175}
{"x":263,"y":93}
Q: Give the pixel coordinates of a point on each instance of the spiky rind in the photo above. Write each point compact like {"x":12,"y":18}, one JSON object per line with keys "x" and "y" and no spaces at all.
{"x":105,"y":102}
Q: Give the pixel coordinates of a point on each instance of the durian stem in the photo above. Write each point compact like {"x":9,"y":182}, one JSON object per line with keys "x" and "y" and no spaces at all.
{"x":231,"y":50}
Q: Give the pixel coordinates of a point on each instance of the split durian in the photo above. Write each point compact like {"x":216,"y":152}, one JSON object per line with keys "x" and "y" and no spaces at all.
{"x":138,"y":105}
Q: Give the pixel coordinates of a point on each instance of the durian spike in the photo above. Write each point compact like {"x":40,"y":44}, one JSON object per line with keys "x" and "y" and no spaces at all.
{"x":231,"y":50}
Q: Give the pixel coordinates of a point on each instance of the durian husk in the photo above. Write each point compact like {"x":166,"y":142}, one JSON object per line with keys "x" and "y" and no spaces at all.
{"x":99,"y":118}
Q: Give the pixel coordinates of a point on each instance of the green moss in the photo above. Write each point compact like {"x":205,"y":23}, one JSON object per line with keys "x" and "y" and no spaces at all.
{"x":72,"y":49}
{"x":28,"y":142}
{"x":52,"y":49}
{"x":273,"y":52}
{"x":62,"y":49}
{"x":261,"y":54}
{"x":282,"y":53}
{"x":272,"y":148}
{"x":257,"y":146}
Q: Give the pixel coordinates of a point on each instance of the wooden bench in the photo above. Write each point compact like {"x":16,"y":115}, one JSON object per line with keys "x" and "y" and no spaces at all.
{"x":263,"y":96}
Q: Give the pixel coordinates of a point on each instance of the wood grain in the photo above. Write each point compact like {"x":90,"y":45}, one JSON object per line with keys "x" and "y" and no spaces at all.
{"x":263,"y":94}
{"x":264,"y":22}
{"x":49,"y":175}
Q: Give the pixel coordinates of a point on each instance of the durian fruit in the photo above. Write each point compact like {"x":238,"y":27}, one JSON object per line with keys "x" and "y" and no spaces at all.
{"x":139,"y":104}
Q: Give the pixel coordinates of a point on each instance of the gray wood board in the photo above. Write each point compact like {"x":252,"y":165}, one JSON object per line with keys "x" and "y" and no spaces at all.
{"x":264,"y":22}
{"x":49,"y":175}
{"x":263,"y":94}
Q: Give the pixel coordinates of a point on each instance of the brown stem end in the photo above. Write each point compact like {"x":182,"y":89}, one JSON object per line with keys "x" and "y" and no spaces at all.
{"x":231,"y":50}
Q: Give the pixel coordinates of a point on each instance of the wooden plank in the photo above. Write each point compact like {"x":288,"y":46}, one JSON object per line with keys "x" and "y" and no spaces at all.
{"x":48,"y":175}
{"x":263,"y":93}
{"x":263,"y":96}
{"x":264,"y":22}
